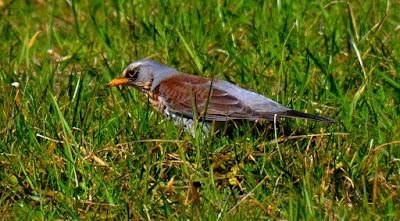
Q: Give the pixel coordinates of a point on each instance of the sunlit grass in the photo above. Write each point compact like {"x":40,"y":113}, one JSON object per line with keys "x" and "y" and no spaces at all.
{"x":72,"y":148}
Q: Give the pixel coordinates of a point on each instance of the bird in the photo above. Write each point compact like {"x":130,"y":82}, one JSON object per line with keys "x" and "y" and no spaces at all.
{"x":185,"y":97}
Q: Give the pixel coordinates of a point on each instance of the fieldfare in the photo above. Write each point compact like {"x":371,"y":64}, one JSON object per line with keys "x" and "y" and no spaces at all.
{"x":183,"y":97}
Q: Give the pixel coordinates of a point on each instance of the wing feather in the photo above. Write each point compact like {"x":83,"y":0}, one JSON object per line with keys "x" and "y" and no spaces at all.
{"x":184,"y":92}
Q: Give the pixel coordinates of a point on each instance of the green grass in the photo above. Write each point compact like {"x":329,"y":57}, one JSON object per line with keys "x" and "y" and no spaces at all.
{"x":73,"y":149}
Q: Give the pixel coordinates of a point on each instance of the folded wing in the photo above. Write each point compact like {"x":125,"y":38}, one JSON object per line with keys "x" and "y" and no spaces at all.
{"x":219,"y":100}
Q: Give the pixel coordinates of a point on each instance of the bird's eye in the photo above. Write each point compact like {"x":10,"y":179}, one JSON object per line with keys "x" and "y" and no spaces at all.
{"x":132,"y":73}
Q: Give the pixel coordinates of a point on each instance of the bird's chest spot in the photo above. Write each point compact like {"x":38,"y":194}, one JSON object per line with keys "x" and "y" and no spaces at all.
{"x":158,"y":103}
{"x":144,"y":86}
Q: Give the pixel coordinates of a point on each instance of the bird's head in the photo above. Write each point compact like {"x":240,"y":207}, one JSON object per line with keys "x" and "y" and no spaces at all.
{"x":139,"y":74}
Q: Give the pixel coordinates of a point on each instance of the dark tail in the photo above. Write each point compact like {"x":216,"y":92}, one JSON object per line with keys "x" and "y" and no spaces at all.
{"x":298,"y":114}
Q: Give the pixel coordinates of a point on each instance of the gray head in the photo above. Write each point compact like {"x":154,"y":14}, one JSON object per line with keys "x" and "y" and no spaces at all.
{"x":144,"y":74}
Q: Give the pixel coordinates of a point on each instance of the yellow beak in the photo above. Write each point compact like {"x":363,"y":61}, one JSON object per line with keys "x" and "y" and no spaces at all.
{"x":117,"y":81}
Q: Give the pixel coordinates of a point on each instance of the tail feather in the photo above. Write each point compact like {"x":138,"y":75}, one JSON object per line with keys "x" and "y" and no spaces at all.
{"x":298,"y":114}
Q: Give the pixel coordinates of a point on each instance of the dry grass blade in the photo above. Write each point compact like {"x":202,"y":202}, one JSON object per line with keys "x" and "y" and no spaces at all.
{"x":246,"y":196}
{"x":87,"y":153}
{"x":32,"y":41}
{"x":284,"y":139}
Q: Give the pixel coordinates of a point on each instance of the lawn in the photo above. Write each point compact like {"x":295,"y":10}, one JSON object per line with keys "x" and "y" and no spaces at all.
{"x":72,"y":148}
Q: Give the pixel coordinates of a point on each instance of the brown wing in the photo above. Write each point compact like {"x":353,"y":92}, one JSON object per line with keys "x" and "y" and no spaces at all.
{"x":183,"y":93}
